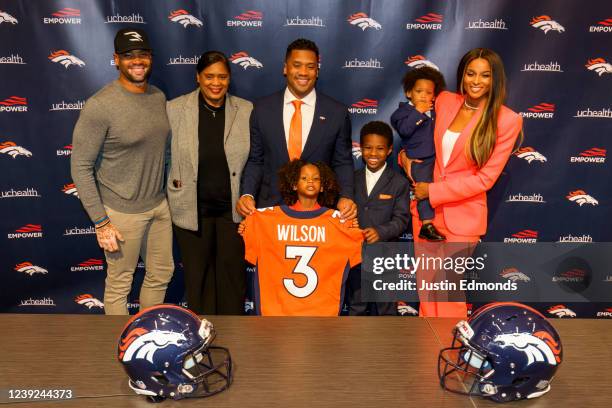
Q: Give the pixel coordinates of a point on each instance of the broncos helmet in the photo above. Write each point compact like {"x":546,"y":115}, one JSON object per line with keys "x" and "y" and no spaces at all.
{"x":167,"y":352}
{"x":505,"y":351}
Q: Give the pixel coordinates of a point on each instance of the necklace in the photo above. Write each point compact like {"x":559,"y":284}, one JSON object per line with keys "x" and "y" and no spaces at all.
{"x":467,"y":105}
{"x":214,"y":112}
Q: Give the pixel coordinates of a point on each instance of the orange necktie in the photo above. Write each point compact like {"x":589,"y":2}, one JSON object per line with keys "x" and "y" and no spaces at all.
{"x":295,"y":132}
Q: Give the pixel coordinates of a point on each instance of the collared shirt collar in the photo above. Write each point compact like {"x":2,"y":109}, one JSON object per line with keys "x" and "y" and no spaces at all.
{"x":309,"y":99}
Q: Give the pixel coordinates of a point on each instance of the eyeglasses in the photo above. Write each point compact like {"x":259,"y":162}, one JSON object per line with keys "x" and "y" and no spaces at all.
{"x":132,"y":55}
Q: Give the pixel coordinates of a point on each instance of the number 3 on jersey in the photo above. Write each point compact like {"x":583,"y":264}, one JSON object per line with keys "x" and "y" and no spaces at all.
{"x":304,"y":255}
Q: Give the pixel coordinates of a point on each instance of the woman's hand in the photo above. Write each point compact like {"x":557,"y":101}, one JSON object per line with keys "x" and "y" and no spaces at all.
{"x":406,"y":164}
{"x":242,"y":227}
{"x":421,"y":191}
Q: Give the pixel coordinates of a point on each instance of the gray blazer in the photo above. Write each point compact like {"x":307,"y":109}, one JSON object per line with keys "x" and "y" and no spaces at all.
{"x":182,"y":185}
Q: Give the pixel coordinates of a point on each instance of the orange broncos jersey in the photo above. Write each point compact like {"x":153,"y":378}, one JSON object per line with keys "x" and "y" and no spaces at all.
{"x":302,"y":259}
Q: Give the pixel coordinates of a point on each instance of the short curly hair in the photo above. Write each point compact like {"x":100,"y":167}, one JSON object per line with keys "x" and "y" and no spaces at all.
{"x":288,"y":177}
{"x":429,"y":73}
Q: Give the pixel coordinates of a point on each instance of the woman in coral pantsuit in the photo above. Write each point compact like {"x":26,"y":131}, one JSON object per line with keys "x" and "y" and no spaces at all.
{"x":474,"y":136}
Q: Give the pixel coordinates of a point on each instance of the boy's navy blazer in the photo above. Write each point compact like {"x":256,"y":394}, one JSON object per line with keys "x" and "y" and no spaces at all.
{"x":329,"y":141}
{"x":387,"y":207}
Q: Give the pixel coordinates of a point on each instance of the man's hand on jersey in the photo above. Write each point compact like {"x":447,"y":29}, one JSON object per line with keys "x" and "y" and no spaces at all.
{"x":108,"y":236}
{"x":242,"y":227}
{"x":245,"y":205}
{"x":347,"y":208}
{"x":371,"y":235}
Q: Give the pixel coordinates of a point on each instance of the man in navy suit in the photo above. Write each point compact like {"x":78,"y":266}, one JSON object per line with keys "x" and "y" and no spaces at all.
{"x":297,"y":122}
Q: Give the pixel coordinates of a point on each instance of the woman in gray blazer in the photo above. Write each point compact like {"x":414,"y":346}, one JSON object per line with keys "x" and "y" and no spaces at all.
{"x":210,"y":146}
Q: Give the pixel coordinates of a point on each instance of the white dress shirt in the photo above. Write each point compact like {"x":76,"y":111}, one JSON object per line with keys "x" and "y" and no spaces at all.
{"x":372,"y":178}
{"x":307,"y":109}
{"x":448,"y":143}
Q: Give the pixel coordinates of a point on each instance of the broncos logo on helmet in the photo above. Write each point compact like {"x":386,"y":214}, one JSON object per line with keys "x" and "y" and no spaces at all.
{"x":141,"y":343}
{"x":535,"y":348}
{"x":599,"y":65}
{"x":362,"y":21}
{"x":242,"y":58}
{"x":13,"y":150}
{"x":7,"y":18}
{"x":63,"y":57}
{"x":546,"y":24}
{"x":184,"y":18}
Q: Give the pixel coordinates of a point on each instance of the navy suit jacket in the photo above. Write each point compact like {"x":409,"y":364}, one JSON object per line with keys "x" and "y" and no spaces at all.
{"x":329,"y":141}
{"x":416,"y":130}
{"x":387,"y":207}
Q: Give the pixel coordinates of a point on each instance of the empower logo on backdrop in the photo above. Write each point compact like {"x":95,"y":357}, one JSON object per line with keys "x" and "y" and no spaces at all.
{"x":546,"y":24}
{"x":543,"y":110}
{"x":65,"y":151}
{"x":64,"y":16}
{"x":364,"y":22}
{"x":365,"y":106}
{"x":27,"y":231}
{"x":244,"y":60}
{"x":593,"y":155}
{"x":526,"y":236}
{"x":430,"y":21}
{"x":13,"y":150}
{"x":14,"y":104}
{"x":89,"y":265}
{"x":419,"y":61}
{"x":66,"y":59}
{"x":185,"y":19}
{"x":603,"y":26}
{"x":250,"y":18}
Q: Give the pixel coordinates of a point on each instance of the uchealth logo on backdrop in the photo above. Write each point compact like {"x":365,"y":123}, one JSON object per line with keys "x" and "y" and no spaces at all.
{"x":14,"y":104}
{"x":596,"y":155}
{"x":599,"y":65}
{"x":27,"y":231}
{"x":297,"y":21}
{"x":180,"y":60}
{"x":581,"y":198}
{"x":134,"y":18}
{"x":363,"y":21}
{"x":70,"y":189}
{"x":30,"y":269}
{"x":552,"y":66}
{"x":65,"y":151}
{"x":607,"y":312}
{"x":605,"y":113}
{"x":603,"y":26}
{"x":88,"y":301}
{"x":365,"y":106}
{"x":250,"y":18}
{"x":356,"y":150}
{"x":245,"y":61}
{"x":11,"y":149}
{"x":542,"y":110}
{"x":430,"y":21}
{"x":7,"y":18}
{"x":46,"y":301}
{"x":14,"y":59}
{"x":561,"y":311}
{"x":90,"y":230}
{"x":419,"y":61}
{"x":64,"y":16}
{"x":514,"y":275}
{"x":526,"y":236}
{"x":530,"y":155}
{"x":28,"y":192}
{"x":496,"y":24}
{"x":185,"y":19}
{"x":66,"y":59}
{"x":67,"y":106}
{"x":526,"y":198}
{"x":584,"y":238}
{"x":546,"y":24}
{"x":89,"y":265}
{"x":372,"y":63}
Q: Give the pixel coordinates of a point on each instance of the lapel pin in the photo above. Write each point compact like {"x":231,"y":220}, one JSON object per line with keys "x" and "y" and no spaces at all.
{"x":321,"y":117}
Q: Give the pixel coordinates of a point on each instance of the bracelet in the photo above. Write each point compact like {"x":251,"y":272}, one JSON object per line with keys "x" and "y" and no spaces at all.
{"x":103,"y":224}
{"x":101,"y":220}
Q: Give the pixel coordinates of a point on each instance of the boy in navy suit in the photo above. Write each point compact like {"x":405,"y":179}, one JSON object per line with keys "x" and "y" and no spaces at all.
{"x":414,"y":121}
{"x":382,"y":198}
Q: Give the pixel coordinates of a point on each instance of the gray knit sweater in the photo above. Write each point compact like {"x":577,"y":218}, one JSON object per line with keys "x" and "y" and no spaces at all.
{"x":118,"y":149}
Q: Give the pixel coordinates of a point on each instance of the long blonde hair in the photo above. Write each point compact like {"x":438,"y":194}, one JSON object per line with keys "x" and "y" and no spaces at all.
{"x":484,"y":136}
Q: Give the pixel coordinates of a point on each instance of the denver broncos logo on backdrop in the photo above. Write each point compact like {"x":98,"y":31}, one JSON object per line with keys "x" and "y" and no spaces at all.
{"x":142,"y":344}
{"x":403,"y":309}
{"x":242,"y":58}
{"x":419,"y":61}
{"x":88,"y":300}
{"x":13,"y":150}
{"x":561,"y":311}
{"x":184,"y":18}
{"x":66,"y":59}
{"x":546,"y":24}
{"x":70,"y":189}
{"x":30,"y":269}
{"x":535,"y":348}
{"x":356,"y":150}
{"x":514,"y":275}
{"x":529,"y":154}
{"x":7,"y":18}
{"x":580,"y":197}
{"x":362,"y":21}
{"x":599,"y":65}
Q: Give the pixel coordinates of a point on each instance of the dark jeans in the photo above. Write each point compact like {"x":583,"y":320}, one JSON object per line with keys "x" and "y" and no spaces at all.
{"x":215,"y":270}
{"x":424,"y":172}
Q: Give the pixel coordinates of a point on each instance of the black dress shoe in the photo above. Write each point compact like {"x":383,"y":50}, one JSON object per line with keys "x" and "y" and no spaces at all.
{"x":430,"y":233}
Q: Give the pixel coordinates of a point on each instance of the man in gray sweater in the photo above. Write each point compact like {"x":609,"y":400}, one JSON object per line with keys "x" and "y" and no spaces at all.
{"x":118,"y":167}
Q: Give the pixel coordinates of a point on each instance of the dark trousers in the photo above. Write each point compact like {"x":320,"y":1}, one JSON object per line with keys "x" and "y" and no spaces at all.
{"x":353,"y":298}
{"x":424,"y":172}
{"x":214,"y":266}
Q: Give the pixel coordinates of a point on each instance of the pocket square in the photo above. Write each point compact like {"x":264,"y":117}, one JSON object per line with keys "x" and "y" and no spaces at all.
{"x":385,"y":196}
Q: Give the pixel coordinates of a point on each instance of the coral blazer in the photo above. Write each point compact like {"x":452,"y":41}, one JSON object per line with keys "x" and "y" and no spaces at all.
{"x":459,"y":188}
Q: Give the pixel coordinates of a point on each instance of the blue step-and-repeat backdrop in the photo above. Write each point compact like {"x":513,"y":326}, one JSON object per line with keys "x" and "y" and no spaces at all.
{"x":55,"y":54}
